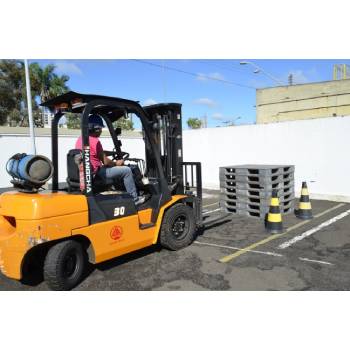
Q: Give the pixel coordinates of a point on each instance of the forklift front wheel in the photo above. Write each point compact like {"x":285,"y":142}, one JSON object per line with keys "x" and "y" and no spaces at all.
{"x":178,"y":227}
{"x":64,"y":265}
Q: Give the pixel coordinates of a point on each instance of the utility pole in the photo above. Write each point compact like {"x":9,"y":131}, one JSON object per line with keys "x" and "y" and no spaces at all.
{"x":290,"y":79}
{"x":29,"y":107}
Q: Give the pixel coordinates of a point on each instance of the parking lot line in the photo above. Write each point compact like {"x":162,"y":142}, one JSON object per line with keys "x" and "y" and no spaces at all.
{"x":316,"y":261}
{"x":261,"y":252}
{"x":230,"y":257}
{"x":313,"y":230}
{"x":235,"y":248}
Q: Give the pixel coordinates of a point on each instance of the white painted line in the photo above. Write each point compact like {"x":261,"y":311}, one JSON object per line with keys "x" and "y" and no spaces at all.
{"x":235,"y":248}
{"x":211,"y":211}
{"x":316,"y":261}
{"x":261,"y":252}
{"x":210,"y":205}
{"x":313,"y":230}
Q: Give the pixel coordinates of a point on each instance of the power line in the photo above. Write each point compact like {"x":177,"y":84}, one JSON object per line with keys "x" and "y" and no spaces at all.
{"x":193,"y":74}
{"x":210,"y":63}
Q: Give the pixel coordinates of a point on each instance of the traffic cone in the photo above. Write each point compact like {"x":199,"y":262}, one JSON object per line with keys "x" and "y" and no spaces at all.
{"x":304,"y":212}
{"x":273,"y":223}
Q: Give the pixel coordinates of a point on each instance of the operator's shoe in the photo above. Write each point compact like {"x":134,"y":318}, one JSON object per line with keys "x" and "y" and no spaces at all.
{"x":140,"y":200}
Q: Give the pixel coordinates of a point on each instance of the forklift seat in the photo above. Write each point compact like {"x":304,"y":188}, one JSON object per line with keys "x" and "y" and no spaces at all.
{"x":73,"y":178}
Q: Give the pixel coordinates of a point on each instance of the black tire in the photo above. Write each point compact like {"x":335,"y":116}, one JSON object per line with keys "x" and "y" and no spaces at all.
{"x":178,"y":228}
{"x":64,"y":265}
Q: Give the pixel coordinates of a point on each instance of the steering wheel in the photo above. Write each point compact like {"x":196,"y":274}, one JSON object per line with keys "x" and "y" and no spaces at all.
{"x":125,"y":155}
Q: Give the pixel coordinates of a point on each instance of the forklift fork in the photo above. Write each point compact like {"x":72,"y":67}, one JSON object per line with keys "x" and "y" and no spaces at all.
{"x":192,"y":172}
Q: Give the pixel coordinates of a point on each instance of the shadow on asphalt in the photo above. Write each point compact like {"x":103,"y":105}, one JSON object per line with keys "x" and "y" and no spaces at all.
{"x":201,"y":231}
{"x":144,"y":252}
{"x":33,"y":274}
{"x":121,"y":260}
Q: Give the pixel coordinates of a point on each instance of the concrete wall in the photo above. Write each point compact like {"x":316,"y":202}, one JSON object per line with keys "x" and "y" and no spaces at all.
{"x":319,"y":148}
{"x":305,"y":101}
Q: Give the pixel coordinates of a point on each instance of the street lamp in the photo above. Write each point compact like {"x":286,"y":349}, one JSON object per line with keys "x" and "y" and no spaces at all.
{"x":259,"y":69}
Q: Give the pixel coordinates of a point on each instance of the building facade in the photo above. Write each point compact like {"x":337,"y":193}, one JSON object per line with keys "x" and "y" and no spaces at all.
{"x":303,"y":101}
{"x":47,"y":117}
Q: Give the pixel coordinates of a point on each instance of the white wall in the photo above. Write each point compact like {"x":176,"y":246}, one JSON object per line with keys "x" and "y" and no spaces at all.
{"x":11,"y":144}
{"x":319,"y":149}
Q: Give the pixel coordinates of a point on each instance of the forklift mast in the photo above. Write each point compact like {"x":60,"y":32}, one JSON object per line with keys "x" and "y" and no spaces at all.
{"x":165,"y":122}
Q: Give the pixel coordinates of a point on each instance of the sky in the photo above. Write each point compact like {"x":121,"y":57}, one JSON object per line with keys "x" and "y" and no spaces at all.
{"x":222,"y":90}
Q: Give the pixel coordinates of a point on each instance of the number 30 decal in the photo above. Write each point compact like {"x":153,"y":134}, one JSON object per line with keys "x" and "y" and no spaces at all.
{"x":119,"y":211}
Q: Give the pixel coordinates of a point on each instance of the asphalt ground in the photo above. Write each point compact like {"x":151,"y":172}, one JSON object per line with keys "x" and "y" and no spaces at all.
{"x":236,"y":254}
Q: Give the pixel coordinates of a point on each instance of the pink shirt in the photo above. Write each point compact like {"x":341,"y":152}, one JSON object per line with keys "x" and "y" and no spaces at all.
{"x":95,"y":149}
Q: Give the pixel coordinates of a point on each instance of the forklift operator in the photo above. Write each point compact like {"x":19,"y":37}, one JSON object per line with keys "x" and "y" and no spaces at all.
{"x":108,"y":170}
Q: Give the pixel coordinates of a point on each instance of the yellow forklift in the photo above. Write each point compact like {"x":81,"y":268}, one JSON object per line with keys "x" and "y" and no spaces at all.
{"x":84,"y":220}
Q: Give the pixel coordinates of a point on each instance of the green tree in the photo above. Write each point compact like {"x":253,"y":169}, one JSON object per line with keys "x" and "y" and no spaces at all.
{"x":37,"y":118}
{"x":194,"y":123}
{"x":45,"y":84}
{"x":14,"y":117}
{"x":11,"y":88}
{"x":73,"y":120}
{"x":124,"y":123}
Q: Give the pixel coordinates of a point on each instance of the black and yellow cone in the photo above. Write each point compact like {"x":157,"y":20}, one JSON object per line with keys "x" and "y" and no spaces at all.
{"x":304,"y":212}
{"x":273,"y":223}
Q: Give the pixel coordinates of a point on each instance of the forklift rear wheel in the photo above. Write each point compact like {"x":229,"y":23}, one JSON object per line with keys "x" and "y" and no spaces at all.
{"x":65,"y":265}
{"x":178,"y":227}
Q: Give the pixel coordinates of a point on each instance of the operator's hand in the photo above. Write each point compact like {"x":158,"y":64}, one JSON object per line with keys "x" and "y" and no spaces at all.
{"x":119,"y":162}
